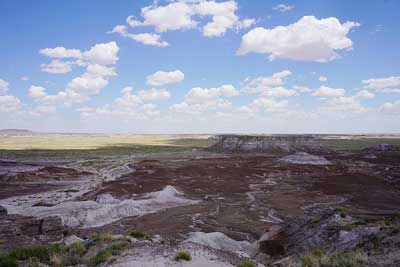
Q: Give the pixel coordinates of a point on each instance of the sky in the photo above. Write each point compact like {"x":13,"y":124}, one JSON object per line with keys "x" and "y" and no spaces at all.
{"x":200,"y":66}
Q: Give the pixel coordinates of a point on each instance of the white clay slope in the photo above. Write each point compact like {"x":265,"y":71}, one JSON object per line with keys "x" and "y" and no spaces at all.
{"x":106,"y":209}
{"x":220,"y":241}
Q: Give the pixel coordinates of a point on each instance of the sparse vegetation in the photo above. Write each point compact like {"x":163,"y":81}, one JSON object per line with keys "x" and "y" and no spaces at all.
{"x":7,"y":261}
{"x":103,"y":237}
{"x":318,"y":258}
{"x":117,"y":247}
{"x":92,"y":141}
{"x":316,"y":220}
{"x":102,"y":256}
{"x":71,"y":190}
{"x":108,"y":254}
{"x":183,"y":255}
{"x":57,"y":255}
{"x":138,"y":234}
{"x":247,"y":264}
{"x":41,"y":252}
{"x":341,"y":212}
{"x":354,"y":143}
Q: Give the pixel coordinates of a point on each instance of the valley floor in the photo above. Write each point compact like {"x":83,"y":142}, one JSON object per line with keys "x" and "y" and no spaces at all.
{"x":224,"y":209}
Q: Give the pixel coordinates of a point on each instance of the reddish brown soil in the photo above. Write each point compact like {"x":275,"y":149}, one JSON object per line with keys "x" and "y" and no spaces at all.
{"x":11,"y":190}
{"x":238,"y":192}
{"x":223,"y":183}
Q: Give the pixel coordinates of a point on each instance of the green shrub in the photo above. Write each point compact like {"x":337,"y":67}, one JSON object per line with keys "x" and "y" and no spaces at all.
{"x":310,"y":260}
{"x":7,"y":261}
{"x":314,"y":259}
{"x":101,"y":256}
{"x":117,"y":247}
{"x":56,"y":260}
{"x":103,"y":237}
{"x":317,"y":258}
{"x":106,"y":255}
{"x":77,"y":248}
{"x":138,"y":234}
{"x":316,"y":220}
{"x":67,"y":256}
{"x":33,"y":262}
{"x":183,"y":255}
{"x":247,"y":264}
{"x":348,"y":259}
{"x":341,"y":212}
{"x":71,"y":190}
{"x":41,"y":252}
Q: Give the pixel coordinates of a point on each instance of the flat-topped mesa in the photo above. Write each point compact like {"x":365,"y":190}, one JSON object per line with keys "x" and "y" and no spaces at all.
{"x":268,"y":143}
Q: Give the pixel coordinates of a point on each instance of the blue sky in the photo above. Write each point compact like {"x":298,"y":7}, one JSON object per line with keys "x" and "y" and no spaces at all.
{"x":200,"y":66}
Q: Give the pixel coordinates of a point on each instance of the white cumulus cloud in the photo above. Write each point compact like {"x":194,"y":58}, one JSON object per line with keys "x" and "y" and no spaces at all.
{"x":385,"y":85}
{"x":204,"y":100}
{"x":129,"y":106}
{"x":265,"y":83}
{"x":309,"y":39}
{"x":364,"y":94}
{"x":223,"y":17}
{"x":153,"y":94}
{"x":174,"y":16}
{"x":144,"y":38}
{"x":265,"y":104}
{"x":61,"y":52}
{"x":103,"y":54}
{"x":283,"y":8}
{"x":3,"y":87}
{"x":322,"y":78}
{"x":214,"y":18}
{"x":325,"y":91}
{"x":279,"y":92}
{"x":165,"y":77}
{"x":8,"y":103}
{"x":96,"y":60}
{"x":56,"y":67}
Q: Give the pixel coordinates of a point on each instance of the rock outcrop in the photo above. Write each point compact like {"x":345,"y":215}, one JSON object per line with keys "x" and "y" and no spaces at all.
{"x":270,"y":144}
{"x":3,"y":211}
{"x":304,"y":158}
{"x":16,"y":229}
{"x":331,"y":231}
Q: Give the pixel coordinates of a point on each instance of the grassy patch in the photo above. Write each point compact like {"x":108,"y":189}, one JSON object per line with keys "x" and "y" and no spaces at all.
{"x":318,"y":258}
{"x":138,"y":234}
{"x":56,"y":255}
{"x":348,"y":259}
{"x":355,"y":143}
{"x":247,"y":264}
{"x":183,"y":255}
{"x":7,"y":261}
{"x":316,"y":220}
{"x":91,"y":141}
{"x":193,"y":142}
{"x":117,"y":247}
{"x":108,"y":254}
{"x":41,"y":252}
{"x":341,"y":212}
{"x":101,"y":256}
{"x":101,"y":237}
{"x":77,"y":248}
{"x":71,"y":190}
{"x":95,"y":146}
